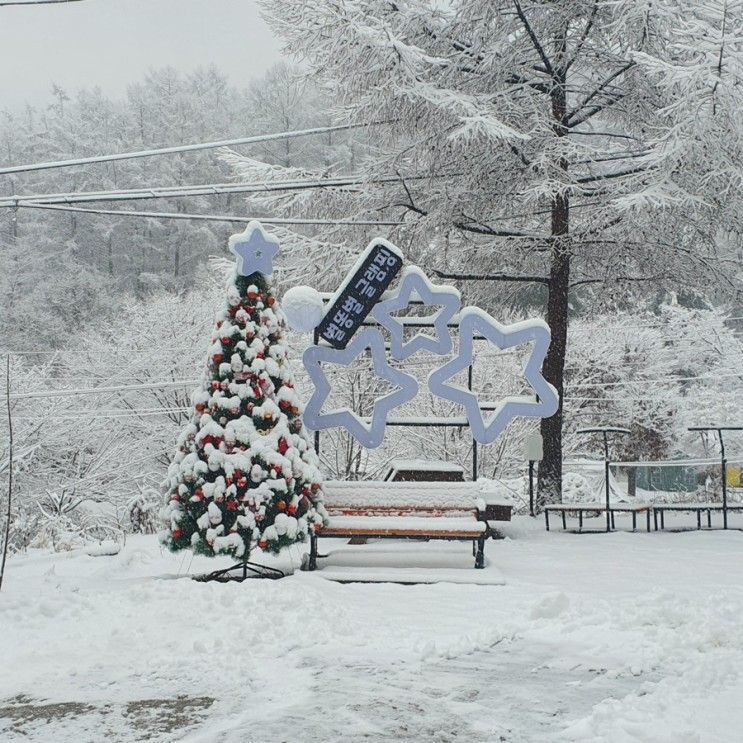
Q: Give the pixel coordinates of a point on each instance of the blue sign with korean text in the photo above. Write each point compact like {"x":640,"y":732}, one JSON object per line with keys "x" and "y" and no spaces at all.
{"x":367,"y":281}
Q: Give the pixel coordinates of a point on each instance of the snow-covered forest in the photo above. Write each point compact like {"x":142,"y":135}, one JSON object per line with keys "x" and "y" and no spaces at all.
{"x":116,"y":309}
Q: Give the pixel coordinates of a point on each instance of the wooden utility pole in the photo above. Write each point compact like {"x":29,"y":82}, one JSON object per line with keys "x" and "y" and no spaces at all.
{"x":6,"y":537}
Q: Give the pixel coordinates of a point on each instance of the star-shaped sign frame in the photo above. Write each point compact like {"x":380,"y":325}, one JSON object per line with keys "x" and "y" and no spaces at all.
{"x":371,"y":435}
{"x":475,"y":321}
{"x":415,"y":280}
{"x":254,"y":249}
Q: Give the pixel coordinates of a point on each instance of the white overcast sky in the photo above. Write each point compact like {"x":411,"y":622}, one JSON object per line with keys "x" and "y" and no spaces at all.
{"x":111,"y":43}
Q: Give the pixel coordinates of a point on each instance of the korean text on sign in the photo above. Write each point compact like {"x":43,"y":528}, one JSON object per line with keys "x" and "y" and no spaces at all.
{"x":359,"y":294}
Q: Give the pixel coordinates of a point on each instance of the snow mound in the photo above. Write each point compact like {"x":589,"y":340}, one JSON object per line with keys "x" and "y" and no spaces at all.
{"x":303,"y":307}
{"x":551,"y":606}
{"x":107,"y":548}
{"x":576,"y":489}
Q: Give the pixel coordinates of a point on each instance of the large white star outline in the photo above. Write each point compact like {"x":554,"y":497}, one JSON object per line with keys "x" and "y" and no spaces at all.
{"x":370,"y":435}
{"x":414,"y":280}
{"x":472,"y":322}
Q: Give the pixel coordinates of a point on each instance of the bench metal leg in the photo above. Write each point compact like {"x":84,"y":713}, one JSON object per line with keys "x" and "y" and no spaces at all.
{"x":662,"y":519}
{"x":313,"y":552}
{"x":480,"y":554}
{"x":547,"y":519}
{"x":699,"y":519}
{"x":564,"y":523}
{"x":634,"y":521}
{"x":612,"y":520}
{"x":709,"y":518}
{"x":580,"y":521}
{"x":647,"y":516}
{"x":655,"y":518}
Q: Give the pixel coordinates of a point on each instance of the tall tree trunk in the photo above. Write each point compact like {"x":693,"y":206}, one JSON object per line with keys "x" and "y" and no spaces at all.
{"x":632,"y":481}
{"x":549,"y":483}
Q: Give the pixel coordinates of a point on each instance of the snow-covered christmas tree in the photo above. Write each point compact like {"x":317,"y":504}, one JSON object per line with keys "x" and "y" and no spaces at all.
{"x":244,"y":472}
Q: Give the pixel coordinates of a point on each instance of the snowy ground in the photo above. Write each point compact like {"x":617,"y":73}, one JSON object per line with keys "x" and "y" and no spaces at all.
{"x":620,"y":637}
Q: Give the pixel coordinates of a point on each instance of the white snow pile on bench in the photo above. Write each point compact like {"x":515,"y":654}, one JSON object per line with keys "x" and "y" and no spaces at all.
{"x":597,"y":507}
{"x":464,"y":495}
{"x":412,"y":576}
{"x":424,"y":465}
{"x":380,"y":524}
{"x":693,"y":506}
{"x":393,"y":562}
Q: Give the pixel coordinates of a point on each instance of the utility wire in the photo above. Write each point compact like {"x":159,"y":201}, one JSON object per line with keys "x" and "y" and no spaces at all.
{"x":4,"y":3}
{"x":101,"y":390}
{"x":209,"y":217}
{"x":181,"y":148}
{"x":206,"y":189}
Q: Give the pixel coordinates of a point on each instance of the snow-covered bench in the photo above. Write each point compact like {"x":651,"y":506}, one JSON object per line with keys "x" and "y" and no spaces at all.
{"x":582,"y":508}
{"x":412,"y":510}
{"x":660,"y":509}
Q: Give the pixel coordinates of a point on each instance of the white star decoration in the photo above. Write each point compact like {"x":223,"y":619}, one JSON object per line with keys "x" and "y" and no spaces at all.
{"x":447,"y":297}
{"x":254,"y":249}
{"x":474,"y":321}
{"x":370,"y":435}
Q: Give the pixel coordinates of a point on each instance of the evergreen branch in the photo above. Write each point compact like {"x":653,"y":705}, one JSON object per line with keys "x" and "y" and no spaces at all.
{"x":492,"y":277}
{"x":616,"y":174}
{"x":596,"y":91}
{"x":486,"y":230}
{"x":534,"y":40}
{"x":618,"y":279}
{"x":584,"y":36}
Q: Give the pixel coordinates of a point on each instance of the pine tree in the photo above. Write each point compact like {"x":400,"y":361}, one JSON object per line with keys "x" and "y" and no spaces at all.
{"x":244,"y":472}
{"x":557,"y":145}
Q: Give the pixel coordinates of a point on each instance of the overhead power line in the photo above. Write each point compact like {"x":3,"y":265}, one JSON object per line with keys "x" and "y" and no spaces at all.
{"x":101,"y":390}
{"x":180,"y":148}
{"x":4,"y":3}
{"x":210,"y":217}
{"x":204,"y":189}
{"x":166,"y":192}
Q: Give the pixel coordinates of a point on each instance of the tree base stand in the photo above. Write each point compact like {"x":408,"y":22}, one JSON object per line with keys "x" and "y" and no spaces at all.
{"x":226,"y":575}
